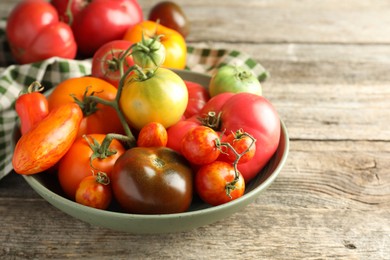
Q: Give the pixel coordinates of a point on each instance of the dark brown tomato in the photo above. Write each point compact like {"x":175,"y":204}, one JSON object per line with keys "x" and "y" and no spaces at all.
{"x":172,"y":16}
{"x":152,"y":180}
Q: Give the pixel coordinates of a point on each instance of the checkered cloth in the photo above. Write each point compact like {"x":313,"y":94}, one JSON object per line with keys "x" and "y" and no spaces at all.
{"x":50,"y":72}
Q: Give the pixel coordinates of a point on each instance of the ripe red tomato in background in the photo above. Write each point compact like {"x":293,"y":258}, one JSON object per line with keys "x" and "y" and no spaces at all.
{"x":66,"y":12}
{"x":103,"y":21}
{"x":105,"y":64}
{"x":177,"y":132}
{"x":35,"y":33}
{"x":197,"y":98}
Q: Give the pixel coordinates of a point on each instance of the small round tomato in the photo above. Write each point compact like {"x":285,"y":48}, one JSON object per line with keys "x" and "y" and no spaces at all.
{"x":174,"y":42}
{"x":161,"y":97}
{"x":171,"y":15}
{"x":211,"y":183}
{"x":230,"y":78}
{"x":153,"y":134}
{"x":93,"y":192}
{"x":98,"y":118}
{"x":197,"y":98}
{"x":76,"y":164}
{"x":243,"y":145}
{"x":105,"y":61}
{"x":177,"y":132}
{"x":200,"y":145}
{"x":152,"y":180}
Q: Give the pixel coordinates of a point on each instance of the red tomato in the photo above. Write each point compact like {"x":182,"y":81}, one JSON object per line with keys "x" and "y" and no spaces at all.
{"x":66,"y":12}
{"x":35,"y":33}
{"x":98,"y":118}
{"x":31,"y":107}
{"x":215,"y":103}
{"x":197,"y":98}
{"x":177,"y":132}
{"x":43,"y":146}
{"x":152,"y":134}
{"x":105,"y":61}
{"x":243,"y":145}
{"x":76,"y":164}
{"x":152,"y":180}
{"x":200,"y":145}
{"x":255,"y":115}
{"x":103,"y":21}
{"x":211,"y":180}
{"x":92,"y":192}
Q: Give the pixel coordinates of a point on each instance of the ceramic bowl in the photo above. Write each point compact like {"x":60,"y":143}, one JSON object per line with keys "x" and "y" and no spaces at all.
{"x":199,"y":214}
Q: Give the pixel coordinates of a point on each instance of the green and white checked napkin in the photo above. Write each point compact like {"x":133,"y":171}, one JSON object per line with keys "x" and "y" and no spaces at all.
{"x":50,"y":72}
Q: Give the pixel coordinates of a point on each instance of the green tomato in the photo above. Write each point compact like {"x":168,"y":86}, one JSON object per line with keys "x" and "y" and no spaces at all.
{"x":161,"y":96}
{"x":234,"y":79}
{"x":149,"y":53}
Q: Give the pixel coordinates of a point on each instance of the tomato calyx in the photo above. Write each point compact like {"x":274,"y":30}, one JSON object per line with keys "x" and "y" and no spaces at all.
{"x":149,"y":53}
{"x":102,"y":178}
{"x":212,"y":120}
{"x":33,"y":87}
{"x":87,"y":105}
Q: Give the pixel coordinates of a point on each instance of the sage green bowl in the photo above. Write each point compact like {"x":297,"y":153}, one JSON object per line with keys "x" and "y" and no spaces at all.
{"x":199,"y":214}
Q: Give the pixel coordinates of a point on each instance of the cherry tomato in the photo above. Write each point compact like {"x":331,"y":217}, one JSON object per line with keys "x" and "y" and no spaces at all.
{"x":103,"y":21}
{"x":35,"y":33}
{"x":152,"y":134}
{"x":76,"y":163}
{"x":105,"y":61}
{"x":177,"y":132}
{"x":160,"y":97}
{"x":197,"y":98}
{"x":152,"y":180}
{"x":31,"y":107}
{"x":174,"y":43}
{"x":211,"y":180}
{"x":243,"y":145}
{"x":172,"y":16}
{"x":98,"y":118}
{"x":43,"y":146}
{"x":200,"y":145}
{"x":93,"y":192}
{"x":230,"y":78}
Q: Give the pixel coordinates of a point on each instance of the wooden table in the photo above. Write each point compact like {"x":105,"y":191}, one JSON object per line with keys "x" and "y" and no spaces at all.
{"x":329,"y":62}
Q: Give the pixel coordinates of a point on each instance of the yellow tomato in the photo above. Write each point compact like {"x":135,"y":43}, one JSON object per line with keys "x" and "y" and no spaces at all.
{"x":173,"y":41}
{"x":162,"y":98}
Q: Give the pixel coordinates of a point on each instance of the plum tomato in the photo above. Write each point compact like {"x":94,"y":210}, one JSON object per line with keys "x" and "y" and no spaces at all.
{"x":211,"y":183}
{"x":231,"y":78}
{"x":105,"y":61}
{"x":152,"y":134}
{"x":171,"y":15}
{"x":152,"y":180}
{"x":200,"y":145}
{"x":94,"y":191}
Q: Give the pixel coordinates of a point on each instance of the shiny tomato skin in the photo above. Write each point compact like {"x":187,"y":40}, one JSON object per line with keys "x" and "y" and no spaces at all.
{"x":105,"y":119}
{"x":35,"y":33}
{"x":161,"y":98}
{"x":154,"y":180}
{"x":199,"y":145}
{"x":93,"y":194}
{"x":174,"y":43}
{"x":215,"y":103}
{"x":43,"y":146}
{"x":171,"y":15}
{"x":211,"y":180}
{"x":62,"y":8}
{"x":197,"y":98}
{"x":177,"y":132}
{"x":75,"y":164}
{"x":153,"y":134}
{"x":105,"y":61}
{"x":255,"y":115}
{"x":103,"y":21}
{"x":242,"y":144}
{"x":31,"y":108}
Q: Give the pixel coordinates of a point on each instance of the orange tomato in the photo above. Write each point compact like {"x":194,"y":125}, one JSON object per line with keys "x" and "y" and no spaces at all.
{"x":75,"y":164}
{"x":98,"y":118}
{"x":173,"y":41}
{"x":152,"y":134}
{"x":43,"y":146}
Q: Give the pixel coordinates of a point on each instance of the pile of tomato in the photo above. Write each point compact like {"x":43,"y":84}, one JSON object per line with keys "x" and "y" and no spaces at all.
{"x":136,"y":133}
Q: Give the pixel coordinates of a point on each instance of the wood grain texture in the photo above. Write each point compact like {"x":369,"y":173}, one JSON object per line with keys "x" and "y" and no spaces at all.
{"x":329,"y":81}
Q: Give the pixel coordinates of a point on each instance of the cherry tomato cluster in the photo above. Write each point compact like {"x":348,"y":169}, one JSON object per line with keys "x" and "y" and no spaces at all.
{"x":136,"y":133}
